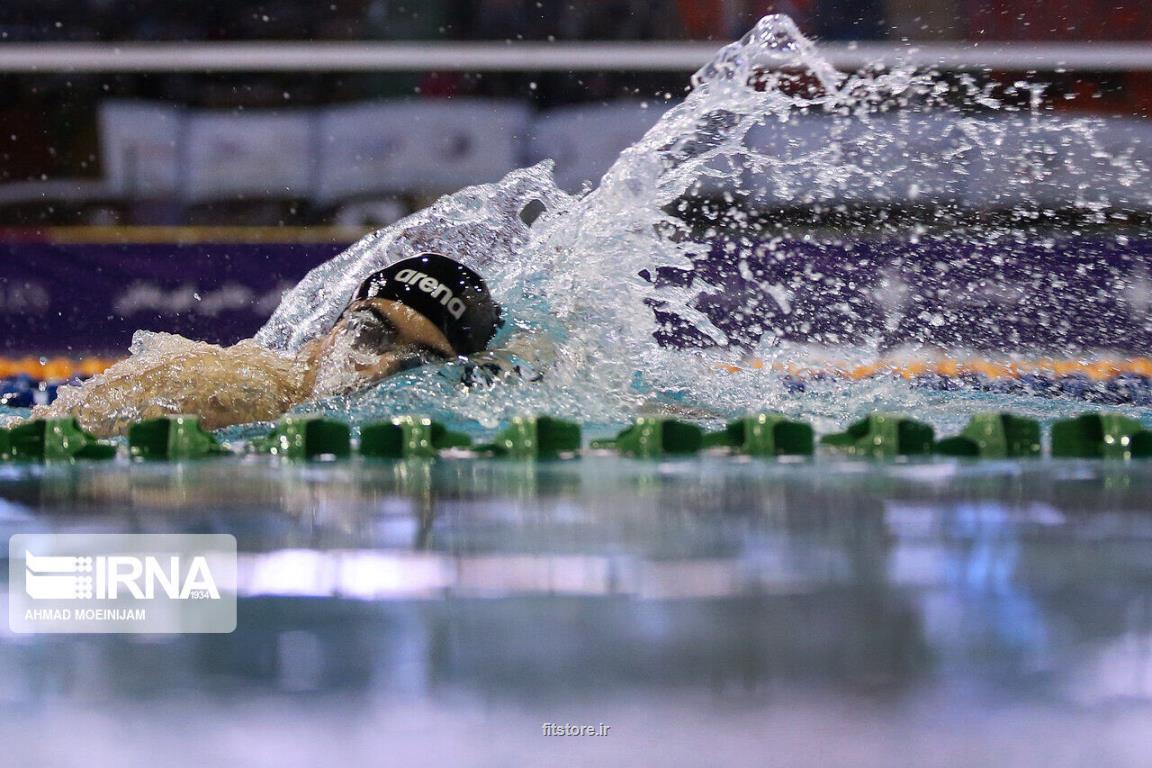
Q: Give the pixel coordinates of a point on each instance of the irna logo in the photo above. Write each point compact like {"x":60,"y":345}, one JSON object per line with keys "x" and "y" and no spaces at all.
{"x":111,"y":577}
{"x":134,"y":583}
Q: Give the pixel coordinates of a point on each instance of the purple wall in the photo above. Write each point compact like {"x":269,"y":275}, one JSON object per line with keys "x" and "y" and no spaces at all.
{"x":78,"y":299}
{"x":1090,"y":293}
{"x":952,"y":292}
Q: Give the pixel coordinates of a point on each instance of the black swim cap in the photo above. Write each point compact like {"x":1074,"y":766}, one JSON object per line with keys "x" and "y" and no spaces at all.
{"x":451,"y":295}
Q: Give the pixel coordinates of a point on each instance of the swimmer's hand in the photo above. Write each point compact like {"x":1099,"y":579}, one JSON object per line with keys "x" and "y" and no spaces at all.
{"x":486,"y":368}
{"x":525,"y":356}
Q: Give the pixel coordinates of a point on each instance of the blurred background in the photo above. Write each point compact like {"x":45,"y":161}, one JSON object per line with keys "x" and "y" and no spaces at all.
{"x":176,"y":167}
{"x":192,"y":147}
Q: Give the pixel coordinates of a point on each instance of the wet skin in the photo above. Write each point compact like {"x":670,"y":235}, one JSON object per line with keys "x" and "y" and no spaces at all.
{"x":245,"y":383}
{"x":373,"y":339}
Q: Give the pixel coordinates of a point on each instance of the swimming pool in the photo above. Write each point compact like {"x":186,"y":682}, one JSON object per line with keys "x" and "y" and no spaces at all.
{"x":712,"y":610}
{"x":821,"y":612}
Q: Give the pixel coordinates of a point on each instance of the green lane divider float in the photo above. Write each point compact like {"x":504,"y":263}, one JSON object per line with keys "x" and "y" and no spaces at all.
{"x":55,"y":440}
{"x":408,"y":437}
{"x":765,"y":434}
{"x":882,"y":436}
{"x":536,"y":437}
{"x":878,"y":436}
{"x":172,"y":438}
{"x":304,"y":438}
{"x":650,"y":438}
{"x":1100,"y":436}
{"x":994,"y":436}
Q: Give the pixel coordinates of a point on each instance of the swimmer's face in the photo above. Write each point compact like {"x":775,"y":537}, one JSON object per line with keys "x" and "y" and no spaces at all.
{"x":372,"y":340}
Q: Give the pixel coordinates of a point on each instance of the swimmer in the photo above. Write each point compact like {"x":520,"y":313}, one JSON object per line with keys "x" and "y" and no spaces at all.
{"x":411,"y":313}
{"x":417,"y":311}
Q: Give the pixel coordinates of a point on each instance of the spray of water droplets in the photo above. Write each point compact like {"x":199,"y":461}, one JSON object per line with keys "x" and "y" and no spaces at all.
{"x":745,"y":224}
{"x":769,"y":126}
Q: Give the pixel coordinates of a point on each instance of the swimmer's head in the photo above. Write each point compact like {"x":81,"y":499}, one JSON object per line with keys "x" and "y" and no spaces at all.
{"x":414,"y":312}
{"x":448,"y":294}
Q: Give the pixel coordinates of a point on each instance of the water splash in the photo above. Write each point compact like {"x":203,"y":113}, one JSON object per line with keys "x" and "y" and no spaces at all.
{"x":771,"y":126}
{"x":784,"y":210}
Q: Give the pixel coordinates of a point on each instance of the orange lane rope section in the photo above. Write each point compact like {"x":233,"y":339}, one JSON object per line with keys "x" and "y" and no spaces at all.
{"x":1103,"y":369}
{"x":55,"y":369}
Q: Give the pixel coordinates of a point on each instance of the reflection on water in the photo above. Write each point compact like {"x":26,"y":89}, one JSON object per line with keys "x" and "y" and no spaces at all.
{"x":826,"y":614}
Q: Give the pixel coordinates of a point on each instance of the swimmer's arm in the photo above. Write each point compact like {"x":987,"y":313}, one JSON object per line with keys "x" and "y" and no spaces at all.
{"x":526,"y":354}
{"x":221,"y":385}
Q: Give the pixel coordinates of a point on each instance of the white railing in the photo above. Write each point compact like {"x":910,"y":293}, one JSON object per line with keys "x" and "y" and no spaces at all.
{"x":530,"y":57}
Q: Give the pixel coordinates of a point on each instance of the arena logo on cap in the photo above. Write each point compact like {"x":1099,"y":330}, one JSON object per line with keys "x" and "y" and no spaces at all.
{"x":435,"y":289}
{"x":150,"y":583}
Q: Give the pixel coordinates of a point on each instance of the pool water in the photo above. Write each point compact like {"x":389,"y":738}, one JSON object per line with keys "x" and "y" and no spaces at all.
{"x":711,"y":611}
{"x":700,"y":612}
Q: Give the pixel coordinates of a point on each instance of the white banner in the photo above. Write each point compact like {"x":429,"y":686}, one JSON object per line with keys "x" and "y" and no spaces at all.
{"x":888,"y":159}
{"x":438,"y":146}
{"x":1124,"y":160}
{"x":265,"y":155}
{"x":1062,"y":162}
{"x":418,"y":146}
{"x":584,"y":141}
{"x":140,"y":148}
